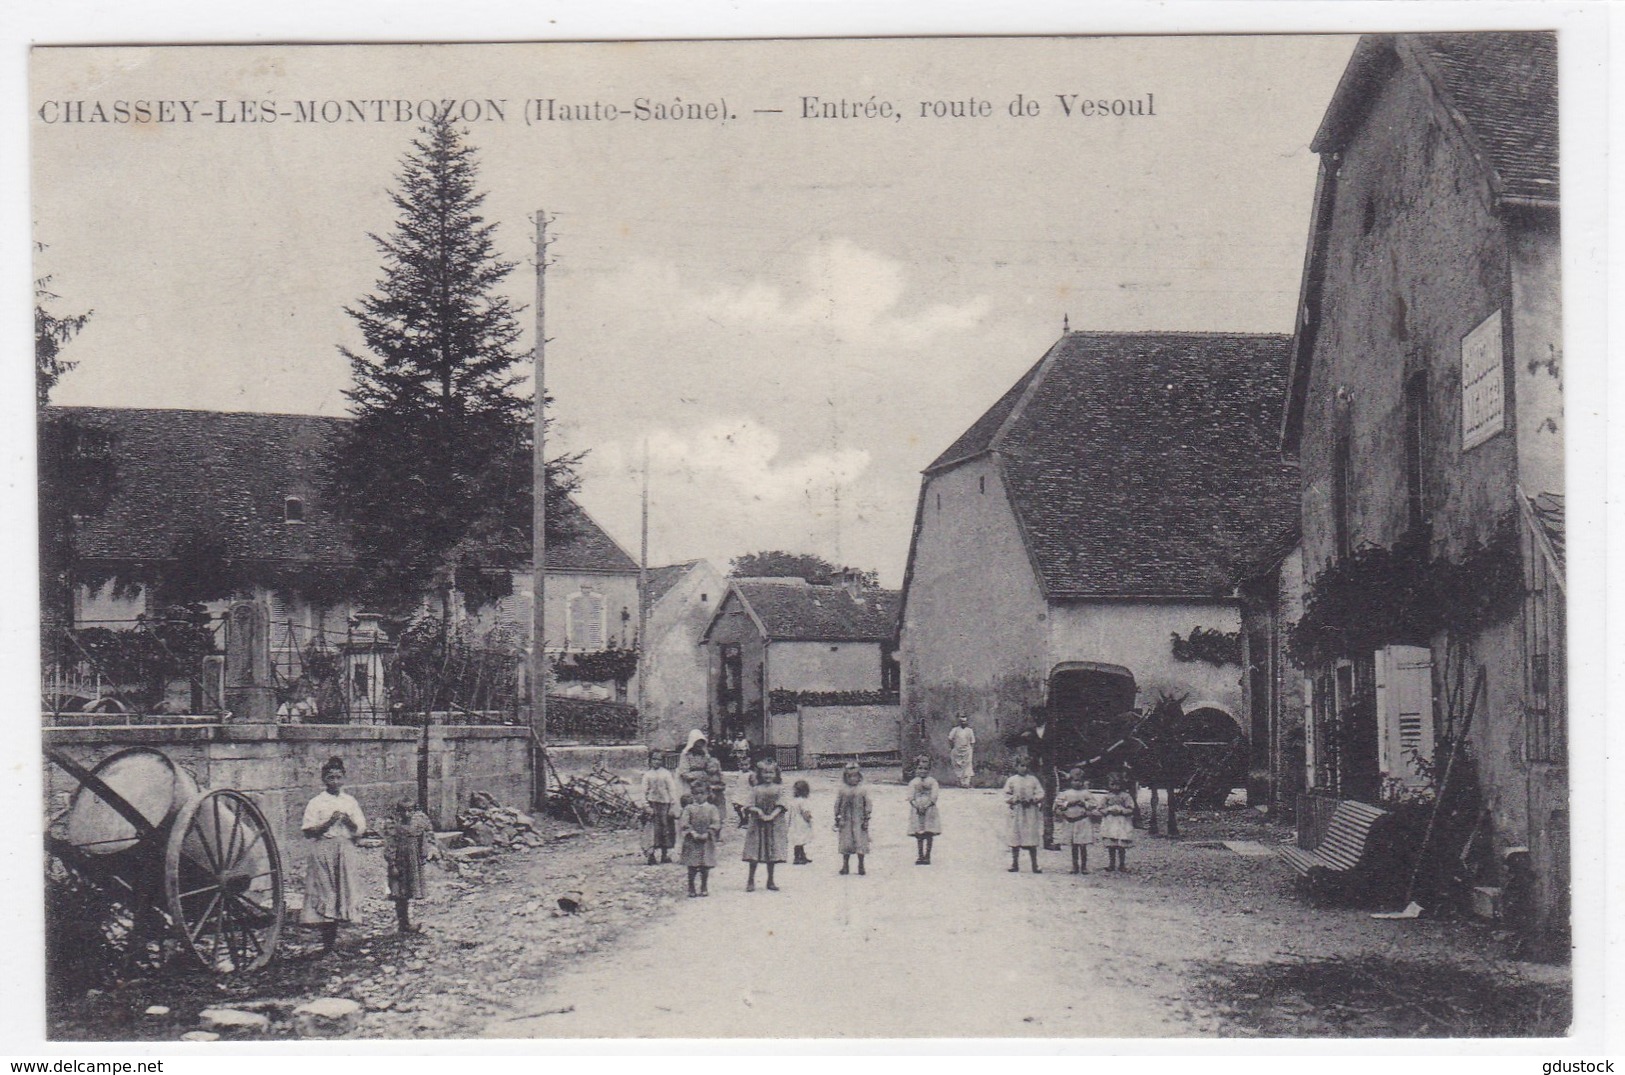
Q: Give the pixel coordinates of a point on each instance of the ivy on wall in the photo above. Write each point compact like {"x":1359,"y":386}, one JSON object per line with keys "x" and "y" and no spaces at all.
{"x":783,"y":701}
{"x":1404,"y":594}
{"x":1208,"y":645}
{"x":612,"y":665}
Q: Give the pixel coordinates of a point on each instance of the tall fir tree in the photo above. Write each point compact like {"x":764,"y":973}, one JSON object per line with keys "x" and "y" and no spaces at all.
{"x":434,"y":475}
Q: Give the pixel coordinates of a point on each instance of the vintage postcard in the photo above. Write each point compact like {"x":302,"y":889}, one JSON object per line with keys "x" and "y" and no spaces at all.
{"x":1028,"y":537}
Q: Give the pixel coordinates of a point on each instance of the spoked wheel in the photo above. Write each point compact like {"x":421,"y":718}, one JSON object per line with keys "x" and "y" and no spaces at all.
{"x":223,"y":882}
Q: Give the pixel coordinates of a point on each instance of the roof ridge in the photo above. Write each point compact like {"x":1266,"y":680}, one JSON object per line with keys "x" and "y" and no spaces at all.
{"x":1045,"y":365}
{"x":1202,"y":334}
{"x":198,"y":410}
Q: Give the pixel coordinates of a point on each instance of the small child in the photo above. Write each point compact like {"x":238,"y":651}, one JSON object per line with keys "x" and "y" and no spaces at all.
{"x":1077,"y":819}
{"x":801,"y":823}
{"x":924,"y":821}
{"x":1117,"y":827}
{"x":659,"y":787}
{"x":1024,"y":795}
{"x":853,"y":809}
{"x":409,"y":844}
{"x":701,"y":825}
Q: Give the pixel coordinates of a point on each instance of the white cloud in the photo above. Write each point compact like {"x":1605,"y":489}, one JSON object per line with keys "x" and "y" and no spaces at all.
{"x":725,"y":488}
{"x":856,"y":294}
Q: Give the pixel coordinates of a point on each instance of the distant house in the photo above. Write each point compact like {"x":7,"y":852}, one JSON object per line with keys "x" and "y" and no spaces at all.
{"x":1426,"y":408}
{"x":241,"y":487}
{"x":674,"y":666}
{"x":785,"y":634}
{"x":246,"y":488}
{"x":1107,"y":502}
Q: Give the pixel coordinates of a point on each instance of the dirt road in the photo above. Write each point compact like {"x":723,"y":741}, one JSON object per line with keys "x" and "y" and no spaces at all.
{"x":1198,"y":939}
{"x":961,"y":947}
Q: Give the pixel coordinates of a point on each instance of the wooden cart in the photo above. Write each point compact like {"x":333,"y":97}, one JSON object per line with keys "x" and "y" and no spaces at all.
{"x":175,"y":869}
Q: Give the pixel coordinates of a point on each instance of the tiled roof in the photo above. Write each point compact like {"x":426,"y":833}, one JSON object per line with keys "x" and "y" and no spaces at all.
{"x":792,"y":612}
{"x":1500,"y":86}
{"x":223,"y":472}
{"x":662,"y":579}
{"x":589,"y":549}
{"x":1146,"y":464}
{"x":230,"y":472}
{"x":1504,"y":85}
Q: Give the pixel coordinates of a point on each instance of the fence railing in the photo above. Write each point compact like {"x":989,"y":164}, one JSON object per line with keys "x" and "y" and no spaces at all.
{"x":591,"y":721}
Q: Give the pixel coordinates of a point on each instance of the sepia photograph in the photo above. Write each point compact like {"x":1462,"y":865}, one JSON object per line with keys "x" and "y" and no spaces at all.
{"x":1054,"y":537}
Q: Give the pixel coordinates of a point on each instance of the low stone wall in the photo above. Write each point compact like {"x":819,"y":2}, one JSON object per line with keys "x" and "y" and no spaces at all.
{"x":834,"y":730}
{"x":279,"y":765}
{"x":627,"y":760}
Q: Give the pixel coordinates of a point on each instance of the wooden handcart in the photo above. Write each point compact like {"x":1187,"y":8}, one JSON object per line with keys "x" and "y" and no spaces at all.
{"x":175,"y":869}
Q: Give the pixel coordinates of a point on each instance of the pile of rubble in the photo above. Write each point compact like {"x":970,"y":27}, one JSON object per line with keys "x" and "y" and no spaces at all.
{"x":487,"y":823}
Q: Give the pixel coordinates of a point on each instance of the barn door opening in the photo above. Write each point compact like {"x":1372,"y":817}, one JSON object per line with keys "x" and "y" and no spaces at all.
{"x":1090,"y":708}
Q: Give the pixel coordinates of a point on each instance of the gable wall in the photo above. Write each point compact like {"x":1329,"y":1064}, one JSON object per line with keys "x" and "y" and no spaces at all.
{"x":974,"y":635}
{"x":674,"y":663}
{"x":1398,"y":298}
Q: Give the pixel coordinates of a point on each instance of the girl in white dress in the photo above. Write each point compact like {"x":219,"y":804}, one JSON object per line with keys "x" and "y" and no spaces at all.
{"x":1077,"y":819}
{"x":1117,"y":828}
{"x":1024,"y":795}
{"x":801,"y":823}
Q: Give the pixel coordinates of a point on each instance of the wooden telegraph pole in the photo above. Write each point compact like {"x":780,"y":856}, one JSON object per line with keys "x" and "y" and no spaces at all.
{"x":537,"y":668}
{"x":643,"y":596}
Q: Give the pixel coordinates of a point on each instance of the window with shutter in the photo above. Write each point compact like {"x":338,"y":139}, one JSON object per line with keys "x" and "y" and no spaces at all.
{"x":1405,"y":714}
{"x":585,"y":614}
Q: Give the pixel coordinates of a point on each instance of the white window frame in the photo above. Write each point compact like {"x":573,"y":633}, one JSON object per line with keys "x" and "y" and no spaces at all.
{"x":1405,"y":720}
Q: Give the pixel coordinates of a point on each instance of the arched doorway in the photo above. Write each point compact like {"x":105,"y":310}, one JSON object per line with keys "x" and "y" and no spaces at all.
{"x":1090,"y":708}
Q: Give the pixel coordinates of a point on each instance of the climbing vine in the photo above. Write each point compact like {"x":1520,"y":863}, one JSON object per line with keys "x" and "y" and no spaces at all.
{"x":1404,"y":594}
{"x":613,"y":665}
{"x":1209,"y":645}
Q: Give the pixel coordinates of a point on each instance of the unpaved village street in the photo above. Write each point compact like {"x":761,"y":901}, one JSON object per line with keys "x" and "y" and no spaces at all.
{"x":1196,"y":940}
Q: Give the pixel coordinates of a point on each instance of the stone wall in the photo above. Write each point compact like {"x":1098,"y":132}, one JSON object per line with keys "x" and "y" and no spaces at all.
{"x":279,"y":765}
{"x":849,"y":729}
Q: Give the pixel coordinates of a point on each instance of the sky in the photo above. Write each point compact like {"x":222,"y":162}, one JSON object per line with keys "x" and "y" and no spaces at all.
{"x":796,"y":314}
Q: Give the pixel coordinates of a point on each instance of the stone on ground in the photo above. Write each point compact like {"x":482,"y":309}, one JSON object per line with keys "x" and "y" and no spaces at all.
{"x":233,"y":1021}
{"x":327,"y":1017}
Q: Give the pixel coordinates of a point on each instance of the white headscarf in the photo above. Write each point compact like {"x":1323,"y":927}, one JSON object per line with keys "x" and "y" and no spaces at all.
{"x":696,"y":736}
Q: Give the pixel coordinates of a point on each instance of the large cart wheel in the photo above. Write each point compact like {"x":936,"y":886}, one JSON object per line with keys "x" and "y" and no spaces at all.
{"x":223,"y":882}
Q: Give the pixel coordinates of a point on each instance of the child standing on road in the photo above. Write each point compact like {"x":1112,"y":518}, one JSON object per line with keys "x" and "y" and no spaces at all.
{"x":1077,"y":819}
{"x":409,"y":844}
{"x":701,"y":824}
{"x":1024,"y":795}
{"x":767,"y":837}
{"x":924,"y":821}
{"x":1117,"y":827}
{"x":659,"y":787}
{"x":852,"y":811}
{"x":801,"y":823}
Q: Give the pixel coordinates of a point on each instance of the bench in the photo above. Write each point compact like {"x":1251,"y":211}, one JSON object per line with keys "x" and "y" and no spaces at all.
{"x":1342,"y":853}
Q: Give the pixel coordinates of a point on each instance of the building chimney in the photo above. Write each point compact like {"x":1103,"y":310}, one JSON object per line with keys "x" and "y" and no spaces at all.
{"x":852,"y":582}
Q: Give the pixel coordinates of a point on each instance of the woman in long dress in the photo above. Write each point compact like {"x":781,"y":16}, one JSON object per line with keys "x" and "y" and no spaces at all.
{"x":331,"y":823}
{"x":1024,"y":795}
{"x":767,"y":838}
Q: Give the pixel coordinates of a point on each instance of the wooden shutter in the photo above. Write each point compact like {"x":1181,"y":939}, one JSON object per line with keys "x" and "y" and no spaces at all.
{"x":1404,"y":713}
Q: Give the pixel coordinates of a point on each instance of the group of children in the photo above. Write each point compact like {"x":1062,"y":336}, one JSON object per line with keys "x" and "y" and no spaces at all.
{"x":1082,"y":818}
{"x":688,"y":806}
{"x":694,"y":816}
